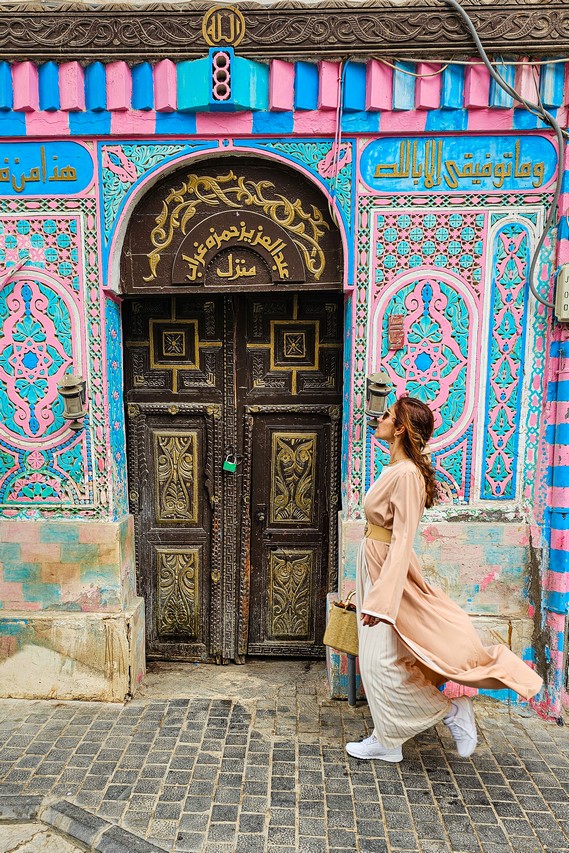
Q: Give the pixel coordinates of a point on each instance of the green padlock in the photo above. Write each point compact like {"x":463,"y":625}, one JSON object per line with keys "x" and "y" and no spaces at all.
{"x":230,"y":463}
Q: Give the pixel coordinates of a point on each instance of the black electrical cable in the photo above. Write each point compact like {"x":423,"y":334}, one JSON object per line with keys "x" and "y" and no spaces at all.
{"x":546,"y":117}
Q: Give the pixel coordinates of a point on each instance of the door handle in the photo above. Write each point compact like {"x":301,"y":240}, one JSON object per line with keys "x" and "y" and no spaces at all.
{"x":260,"y":513}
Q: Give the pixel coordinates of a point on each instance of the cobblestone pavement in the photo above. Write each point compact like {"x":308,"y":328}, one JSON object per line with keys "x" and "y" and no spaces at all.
{"x":251,"y":759}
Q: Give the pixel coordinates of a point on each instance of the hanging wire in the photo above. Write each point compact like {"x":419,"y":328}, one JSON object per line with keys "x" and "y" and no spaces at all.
{"x":539,"y":110}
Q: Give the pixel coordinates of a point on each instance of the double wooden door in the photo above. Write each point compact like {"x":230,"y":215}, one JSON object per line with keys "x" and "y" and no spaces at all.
{"x":234,"y":413}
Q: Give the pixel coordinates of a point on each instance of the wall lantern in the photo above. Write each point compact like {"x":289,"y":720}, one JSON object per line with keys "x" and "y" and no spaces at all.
{"x":73,"y":389}
{"x":377,"y":389}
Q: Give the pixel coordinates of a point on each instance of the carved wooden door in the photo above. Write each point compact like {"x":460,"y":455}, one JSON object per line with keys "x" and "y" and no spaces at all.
{"x":234,"y":562}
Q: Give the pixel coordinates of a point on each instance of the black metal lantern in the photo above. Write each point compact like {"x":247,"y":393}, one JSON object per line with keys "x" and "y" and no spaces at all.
{"x":378,"y":388}
{"x":73,"y":389}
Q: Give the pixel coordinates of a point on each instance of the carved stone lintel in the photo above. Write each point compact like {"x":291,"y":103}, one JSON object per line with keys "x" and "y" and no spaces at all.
{"x":333,"y":29}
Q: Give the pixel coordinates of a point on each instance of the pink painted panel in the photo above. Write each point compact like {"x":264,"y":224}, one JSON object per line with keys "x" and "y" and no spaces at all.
{"x":119,"y":86}
{"x":476,"y":86}
{"x":314,"y":121}
{"x":379,"y":86}
{"x":133,"y":121}
{"x":281,"y":86}
{"x":25,"y":85}
{"x":527,"y":81}
{"x":490,"y":120}
{"x":329,"y":73}
{"x":71,"y":86}
{"x":47,"y":124}
{"x":224,"y":124}
{"x":428,"y":89}
{"x":165,"y":86}
{"x":395,"y":122}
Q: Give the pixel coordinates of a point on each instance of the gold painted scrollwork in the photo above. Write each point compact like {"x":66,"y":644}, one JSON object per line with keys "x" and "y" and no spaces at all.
{"x":182,"y":202}
{"x":293,"y":482}
{"x":177,"y":577}
{"x":176,"y":476}
{"x":290,"y":593}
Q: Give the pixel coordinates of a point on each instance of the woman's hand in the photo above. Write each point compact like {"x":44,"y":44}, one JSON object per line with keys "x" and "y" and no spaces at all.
{"x":368,"y":620}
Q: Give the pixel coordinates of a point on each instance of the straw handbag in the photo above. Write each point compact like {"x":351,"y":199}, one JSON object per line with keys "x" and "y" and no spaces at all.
{"x":342,"y":628}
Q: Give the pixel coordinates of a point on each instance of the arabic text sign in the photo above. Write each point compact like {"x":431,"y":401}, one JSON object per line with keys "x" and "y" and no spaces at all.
{"x":459,"y":164}
{"x":44,"y":168}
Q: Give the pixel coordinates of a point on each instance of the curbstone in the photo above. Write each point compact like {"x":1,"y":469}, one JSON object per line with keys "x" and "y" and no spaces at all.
{"x":19,"y":808}
{"x":117,"y":840}
{"x":74,"y":821}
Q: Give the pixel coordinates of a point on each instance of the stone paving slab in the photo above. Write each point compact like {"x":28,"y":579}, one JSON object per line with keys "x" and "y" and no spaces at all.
{"x":252,"y":760}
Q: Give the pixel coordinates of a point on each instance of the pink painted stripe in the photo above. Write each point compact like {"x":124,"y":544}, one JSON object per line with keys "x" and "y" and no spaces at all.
{"x":328,"y":89}
{"x":314,"y":121}
{"x":25,"y":86}
{"x":561,"y":456}
{"x":428,"y":89}
{"x":566,"y":87}
{"x":560,"y":540}
{"x":414,"y":120}
{"x":490,"y":120}
{"x":476,"y":86}
{"x":281,"y":86}
{"x":225,"y":124}
{"x":559,"y":496}
{"x":527,"y":81}
{"x":379,"y":85}
{"x":54,"y":123}
{"x":563,"y":251}
{"x":562,"y":407}
{"x":119,"y":86}
{"x":165,"y":86}
{"x":556,"y":621}
{"x":71,"y":86}
{"x":133,"y":121}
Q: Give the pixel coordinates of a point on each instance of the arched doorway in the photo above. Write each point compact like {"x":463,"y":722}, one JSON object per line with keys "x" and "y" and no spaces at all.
{"x":233,"y":330}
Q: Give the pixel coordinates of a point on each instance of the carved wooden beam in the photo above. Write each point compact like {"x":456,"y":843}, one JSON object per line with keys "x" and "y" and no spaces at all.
{"x":291,"y":30}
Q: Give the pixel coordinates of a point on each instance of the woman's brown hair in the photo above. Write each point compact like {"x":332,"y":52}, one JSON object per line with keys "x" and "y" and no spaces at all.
{"x":419,"y":423}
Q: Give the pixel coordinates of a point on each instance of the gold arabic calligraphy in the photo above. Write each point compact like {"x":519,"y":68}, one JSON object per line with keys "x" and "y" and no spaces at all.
{"x":36,"y":174}
{"x":433,"y":169}
{"x":250,"y":236}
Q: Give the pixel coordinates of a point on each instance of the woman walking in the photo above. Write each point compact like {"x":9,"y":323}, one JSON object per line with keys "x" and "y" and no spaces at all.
{"x":411,"y":635}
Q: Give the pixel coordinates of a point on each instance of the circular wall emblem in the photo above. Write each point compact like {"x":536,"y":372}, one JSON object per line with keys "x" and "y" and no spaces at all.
{"x":223,"y":25}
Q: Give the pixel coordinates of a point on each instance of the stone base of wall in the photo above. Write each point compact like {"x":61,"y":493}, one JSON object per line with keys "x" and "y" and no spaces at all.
{"x":55,"y":655}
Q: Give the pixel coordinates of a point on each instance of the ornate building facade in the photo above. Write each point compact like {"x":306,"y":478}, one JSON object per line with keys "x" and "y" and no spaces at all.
{"x":224,"y":229}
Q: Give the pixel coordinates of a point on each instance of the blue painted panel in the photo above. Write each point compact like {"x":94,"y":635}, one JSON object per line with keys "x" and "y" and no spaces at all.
{"x":194,"y":84}
{"x":459,"y":163}
{"x":13,"y":124}
{"x":249,"y":85}
{"x":273,"y":123}
{"x":95,"y":87}
{"x":361,"y":122}
{"x":48,"y":168}
{"x":551,"y":84}
{"x":403,"y":86}
{"x":6,"y":93}
{"x":524,"y":120}
{"x":142,"y":87}
{"x":354,"y":86}
{"x":175,"y":122}
{"x":91,"y":122}
{"x":452,"y":88}
{"x":48,"y":85}
{"x":306,"y":85}
{"x":499,"y":98}
{"x":446,"y":119}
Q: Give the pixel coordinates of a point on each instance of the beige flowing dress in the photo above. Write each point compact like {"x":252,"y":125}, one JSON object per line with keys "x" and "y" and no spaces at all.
{"x":438,"y":634}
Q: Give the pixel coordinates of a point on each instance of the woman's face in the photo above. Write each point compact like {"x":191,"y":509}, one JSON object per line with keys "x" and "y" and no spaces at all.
{"x":385,"y":429}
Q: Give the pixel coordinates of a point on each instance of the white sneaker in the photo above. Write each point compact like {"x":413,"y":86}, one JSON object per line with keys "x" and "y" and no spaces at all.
{"x":371,"y":748}
{"x":460,"y":722}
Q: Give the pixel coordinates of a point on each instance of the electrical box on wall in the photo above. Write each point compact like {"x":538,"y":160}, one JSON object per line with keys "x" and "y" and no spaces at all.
{"x":562,"y":295}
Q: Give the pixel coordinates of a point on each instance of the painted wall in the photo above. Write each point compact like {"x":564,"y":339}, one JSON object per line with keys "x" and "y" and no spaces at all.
{"x":440,"y":187}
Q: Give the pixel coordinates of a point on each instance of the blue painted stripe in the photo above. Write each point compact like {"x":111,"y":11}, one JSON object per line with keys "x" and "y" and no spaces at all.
{"x":557,"y":433}
{"x":498,"y":98}
{"x":403,"y":86}
{"x":452,"y":88}
{"x":142,"y":87}
{"x":524,"y":120}
{"x":48,"y":85}
{"x":176,"y":123}
{"x":551,"y":393}
{"x":278,"y":123}
{"x":561,"y":391}
{"x":557,"y":602}
{"x":563,"y":225}
{"x":559,"y":560}
{"x":90,"y":122}
{"x":6,"y":92}
{"x":565,"y":183}
{"x":95,"y":87}
{"x":446,"y":119}
{"x":354,"y":86}
{"x":13,"y":124}
{"x":560,"y":476}
{"x":559,"y":519}
{"x":361,"y":122}
{"x":551,"y":84}
{"x":306,"y":86}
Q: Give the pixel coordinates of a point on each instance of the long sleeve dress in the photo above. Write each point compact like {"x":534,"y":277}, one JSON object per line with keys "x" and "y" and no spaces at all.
{"x":437,"y":634}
